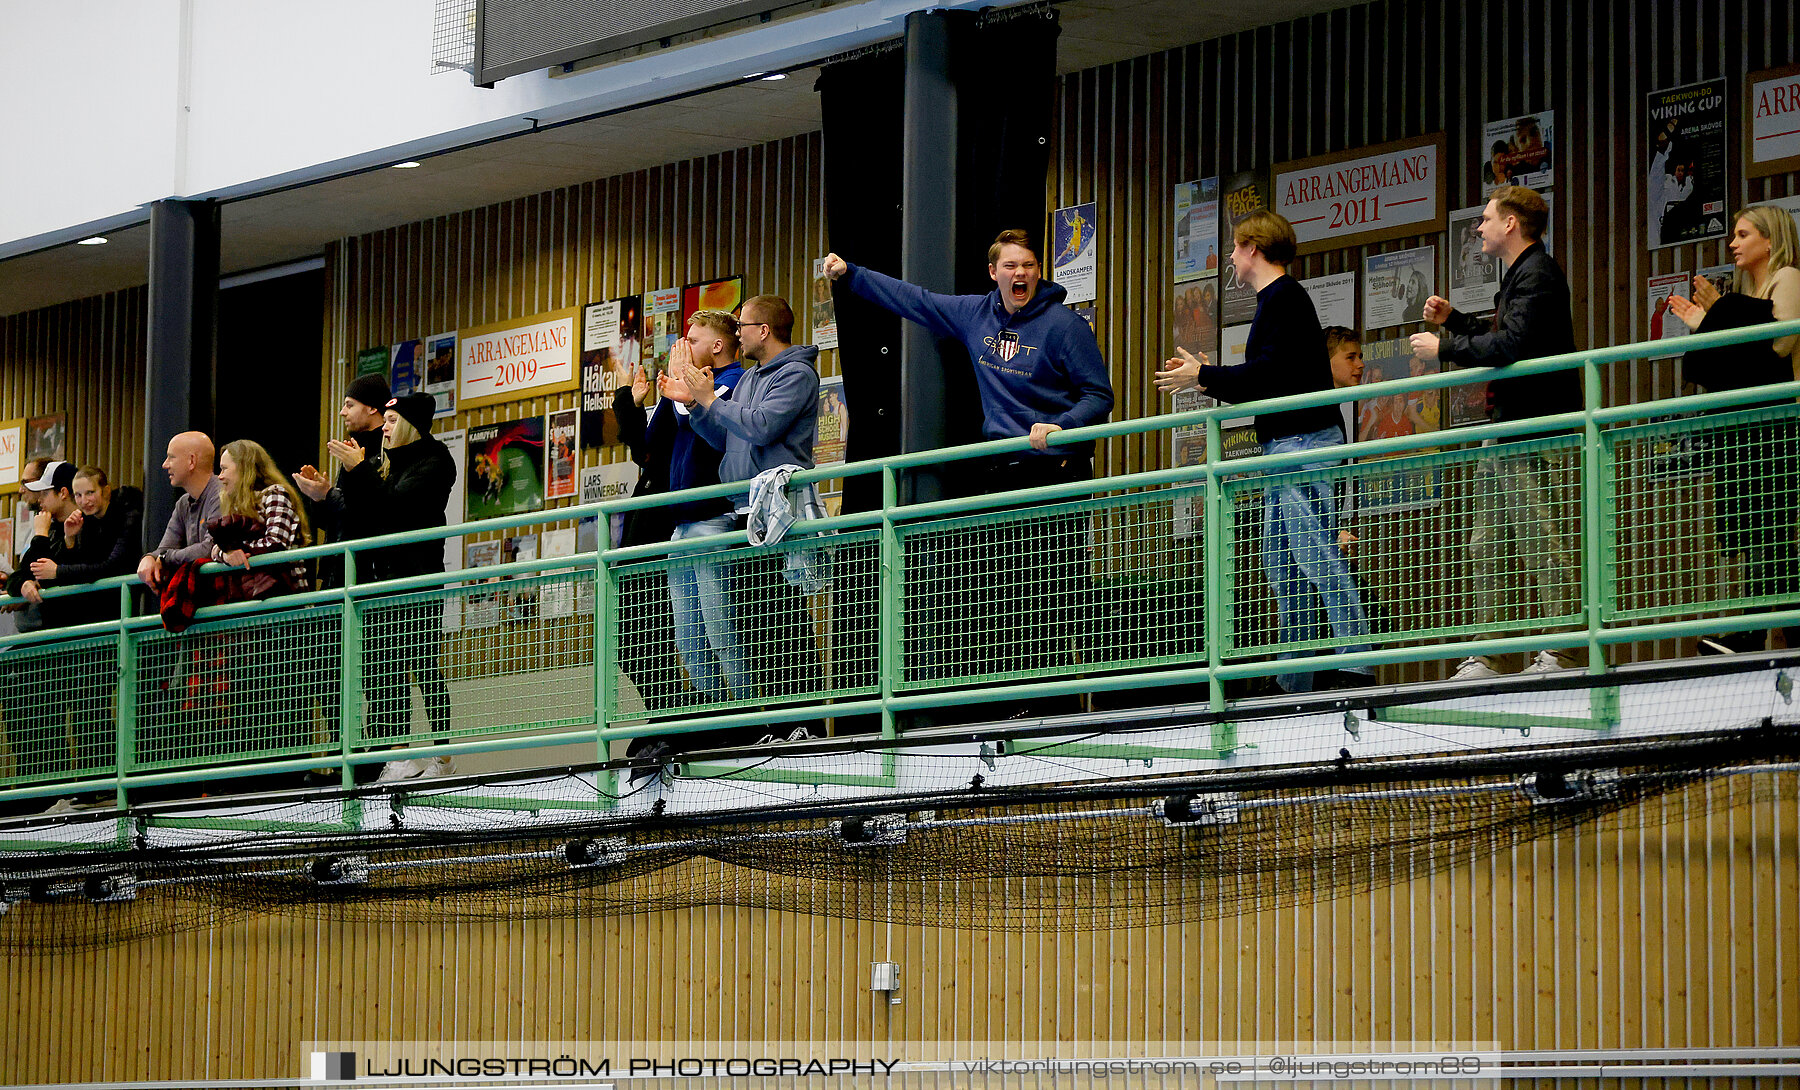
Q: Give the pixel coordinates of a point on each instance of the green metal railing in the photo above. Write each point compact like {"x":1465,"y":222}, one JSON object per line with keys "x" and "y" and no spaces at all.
{"x":1609,"y":525}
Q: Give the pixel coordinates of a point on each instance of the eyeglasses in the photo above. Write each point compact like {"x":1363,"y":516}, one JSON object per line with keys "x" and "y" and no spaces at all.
{"x":742,"y":324}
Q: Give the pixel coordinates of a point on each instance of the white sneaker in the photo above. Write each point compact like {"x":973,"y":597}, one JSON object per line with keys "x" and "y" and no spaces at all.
{"x":60,"y":806}
{"x":1475,"y":669}
{"x":400,"y":770}
{"x":1546,"y":662}
{"x":437,"y":766}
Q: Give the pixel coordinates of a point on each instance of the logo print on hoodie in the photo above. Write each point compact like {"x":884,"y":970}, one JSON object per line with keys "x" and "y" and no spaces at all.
{"x":1007,"y":345}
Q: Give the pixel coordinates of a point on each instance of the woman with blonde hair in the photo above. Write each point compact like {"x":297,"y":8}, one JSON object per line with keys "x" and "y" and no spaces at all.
{"x":1756,"y":475}
{"x":261,"y":513}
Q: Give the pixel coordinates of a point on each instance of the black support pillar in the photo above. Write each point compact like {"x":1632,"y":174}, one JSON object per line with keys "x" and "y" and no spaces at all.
{"x":181,"y":379}
{"x":928,"y":244}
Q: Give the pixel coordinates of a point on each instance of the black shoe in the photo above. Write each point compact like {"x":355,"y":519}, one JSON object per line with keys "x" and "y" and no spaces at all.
{"x":651,"y":752}
{"x":1341,"y":679}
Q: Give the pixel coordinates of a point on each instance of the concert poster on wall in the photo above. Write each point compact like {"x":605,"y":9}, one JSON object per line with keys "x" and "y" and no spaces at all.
{"x":372,"y":361}
{"x":440,"y":372}
{"x":724,"y":295}
{"x":1243,"y":193}
{"x":1687,"y":181}
{"x":1396,"y":415}
{"x":47,"y":437}
{"x":611,"y":349}
{"x":824,"y":308}
{"x":1474,"y":274}
{"x":1073,"y":263}
{"x":1196,"y":229}
{"x":1517,"y":151}
{"x":506,"y":468}
{"x":662,"y":328}
{"x":560,"y":451}
{"x":404,"y":369}
{"x":1194,"y":317}
{"x":1396,"y":285}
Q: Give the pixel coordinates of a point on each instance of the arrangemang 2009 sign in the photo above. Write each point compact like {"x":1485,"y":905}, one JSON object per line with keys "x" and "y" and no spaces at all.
{"x":527,"y":357}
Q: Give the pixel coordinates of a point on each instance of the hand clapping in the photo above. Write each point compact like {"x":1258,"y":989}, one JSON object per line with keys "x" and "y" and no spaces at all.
{"x":1181,"y":372}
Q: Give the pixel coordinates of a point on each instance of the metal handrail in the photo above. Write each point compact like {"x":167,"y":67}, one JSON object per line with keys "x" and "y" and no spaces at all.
{"x":893,"y":516}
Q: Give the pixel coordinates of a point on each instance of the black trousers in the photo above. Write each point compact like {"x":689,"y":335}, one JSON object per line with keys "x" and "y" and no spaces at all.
{"x":399,"y":640}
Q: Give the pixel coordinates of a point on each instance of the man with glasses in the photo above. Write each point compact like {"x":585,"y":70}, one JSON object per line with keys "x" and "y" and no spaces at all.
{"x":767,"y":421}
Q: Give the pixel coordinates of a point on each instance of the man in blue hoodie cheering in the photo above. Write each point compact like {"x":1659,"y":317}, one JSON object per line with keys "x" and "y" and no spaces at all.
{"x":1037,"y":365}
{"x":1039,"y":371}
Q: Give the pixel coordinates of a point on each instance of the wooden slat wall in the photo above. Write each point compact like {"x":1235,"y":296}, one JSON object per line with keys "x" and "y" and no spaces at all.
{"x":1679,"y":936}
{"x":85,"y":359}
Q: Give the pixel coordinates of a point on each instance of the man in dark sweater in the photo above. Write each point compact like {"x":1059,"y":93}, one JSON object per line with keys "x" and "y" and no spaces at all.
{"x":1284,"y":355}
{"x":1520,"y":500}
{"x":361,"y":414}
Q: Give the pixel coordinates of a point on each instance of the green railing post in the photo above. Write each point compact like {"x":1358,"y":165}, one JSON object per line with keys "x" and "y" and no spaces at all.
{"x":1218,"y":599}
{"x":1593,"y":508}
{"x":350,"y":663}
{"x":606,"y":642}
{"x":124,"y":702}
{"x":891,"y":656}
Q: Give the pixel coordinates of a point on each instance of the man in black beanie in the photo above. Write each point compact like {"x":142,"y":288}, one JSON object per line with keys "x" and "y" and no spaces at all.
{"x":361,"y":414}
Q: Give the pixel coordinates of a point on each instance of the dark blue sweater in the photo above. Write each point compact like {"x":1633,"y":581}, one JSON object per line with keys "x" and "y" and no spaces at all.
{"x":1055,"y":375}
{"x":692,"y":463}
{"x":1284,"y":355}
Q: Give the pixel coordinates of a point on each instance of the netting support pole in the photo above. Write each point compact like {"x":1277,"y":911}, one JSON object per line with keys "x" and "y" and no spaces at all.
{"x":1216,"y":606}
{"x":125,"y":701}
{"x":890,"y":577}
{"x":606,"y":639}
{"x":1595,"y":581}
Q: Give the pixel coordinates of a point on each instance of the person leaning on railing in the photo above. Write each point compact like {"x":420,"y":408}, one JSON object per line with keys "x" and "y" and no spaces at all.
{"x":260,"y":513}
{"x":1516,"y":497}
{"x":1756,"y":471}
{"x":1038,"y":370}
{"x":406,"y":488}
{"x":39,"y":697}
{"x":111,"y":527}
{"x":1285,"y":354}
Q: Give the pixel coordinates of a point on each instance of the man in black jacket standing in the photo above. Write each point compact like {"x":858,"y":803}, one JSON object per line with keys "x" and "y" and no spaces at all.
{"x":1521,"y":500}
{"x":361,"y":414}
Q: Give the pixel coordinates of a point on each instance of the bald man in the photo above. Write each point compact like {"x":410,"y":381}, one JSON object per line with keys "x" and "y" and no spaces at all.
{"x":190,"y":467}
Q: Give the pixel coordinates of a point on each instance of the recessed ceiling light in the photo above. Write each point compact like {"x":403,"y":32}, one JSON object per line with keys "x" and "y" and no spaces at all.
{"x":94,"y":240}
{"x":772,"y":76}
{"x":408,"y":165}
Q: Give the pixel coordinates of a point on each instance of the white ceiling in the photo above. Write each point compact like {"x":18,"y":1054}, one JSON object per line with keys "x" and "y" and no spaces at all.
{"x":296,"y":224}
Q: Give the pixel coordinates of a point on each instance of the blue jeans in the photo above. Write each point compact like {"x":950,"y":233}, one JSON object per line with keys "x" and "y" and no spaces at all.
{"x":706,"y":637}
{"x":1300,"y":556}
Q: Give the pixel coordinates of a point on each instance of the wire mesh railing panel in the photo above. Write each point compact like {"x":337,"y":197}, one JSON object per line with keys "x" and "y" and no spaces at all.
{"x":733,"y":628}
{"x":502,"y":655}
{"x":242,"y":689}
{"x":56,"y":710}
{"x":1428,"y":546}
{"x":1706,"y":514}
{"x":1052,"y":590}
{"x":1148,"y":603}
